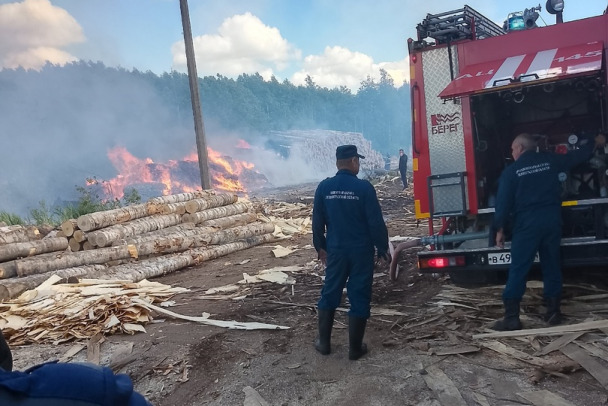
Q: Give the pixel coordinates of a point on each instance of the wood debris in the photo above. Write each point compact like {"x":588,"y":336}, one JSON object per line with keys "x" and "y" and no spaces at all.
{"x":56,"y":313}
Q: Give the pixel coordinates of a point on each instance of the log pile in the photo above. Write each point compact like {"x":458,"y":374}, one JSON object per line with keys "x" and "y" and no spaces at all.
{"x":140,"y":241}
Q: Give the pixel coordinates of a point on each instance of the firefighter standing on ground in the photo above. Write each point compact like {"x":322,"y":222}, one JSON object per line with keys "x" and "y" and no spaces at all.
{"x":403,"y":168}
{"x":347,"y":224}
{"x":529,"y":189}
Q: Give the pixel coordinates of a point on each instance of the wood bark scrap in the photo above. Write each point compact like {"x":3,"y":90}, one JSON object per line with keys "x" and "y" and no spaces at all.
{"x":548,"y":331}
{"x":544,"y":398}
{"x":591,"y":365}
{"x":443,"y":387}
{"x":55,"y":313}
{"x":30,"y":248}
{"x":218,"y":323}
{"x":253,"y":398}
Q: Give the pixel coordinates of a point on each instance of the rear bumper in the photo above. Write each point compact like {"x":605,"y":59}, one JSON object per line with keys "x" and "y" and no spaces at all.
{"x":575,"y":252}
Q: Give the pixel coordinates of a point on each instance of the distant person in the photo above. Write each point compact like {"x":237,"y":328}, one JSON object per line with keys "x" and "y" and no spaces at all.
{"x":347,"y":224}
{"x":403,"y":168}
{"x":529,"y":190}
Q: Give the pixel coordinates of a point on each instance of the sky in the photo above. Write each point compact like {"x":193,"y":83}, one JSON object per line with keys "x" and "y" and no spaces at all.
{"x":336,"y":42}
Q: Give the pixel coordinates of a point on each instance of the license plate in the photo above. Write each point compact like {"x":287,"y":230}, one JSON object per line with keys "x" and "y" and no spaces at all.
{"x":504,"y":258}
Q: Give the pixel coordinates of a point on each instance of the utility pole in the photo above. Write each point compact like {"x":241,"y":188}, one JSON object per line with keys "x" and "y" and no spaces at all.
{"x":199,"y":128}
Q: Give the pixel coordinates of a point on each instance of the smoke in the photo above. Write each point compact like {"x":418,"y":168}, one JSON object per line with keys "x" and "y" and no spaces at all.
{"x":58,"y":126}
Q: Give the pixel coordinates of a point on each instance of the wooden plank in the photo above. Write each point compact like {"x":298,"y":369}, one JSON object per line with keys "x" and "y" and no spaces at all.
{"x":559,"y":343}
{"x":520,"y":355}
{"x":544,"y":398}
{"x":595,"y":369}
{"x":443,"y":387}
{"x":548,"y":331}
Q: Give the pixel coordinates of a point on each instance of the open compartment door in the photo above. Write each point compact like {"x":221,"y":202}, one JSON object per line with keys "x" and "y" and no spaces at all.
{"x":543,"y":66}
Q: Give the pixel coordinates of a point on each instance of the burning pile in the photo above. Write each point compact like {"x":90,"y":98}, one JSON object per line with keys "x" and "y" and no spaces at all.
{"x":151,"y":178}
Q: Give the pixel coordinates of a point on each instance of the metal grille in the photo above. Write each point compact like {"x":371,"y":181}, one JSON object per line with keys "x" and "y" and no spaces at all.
{"x":446,"y":148}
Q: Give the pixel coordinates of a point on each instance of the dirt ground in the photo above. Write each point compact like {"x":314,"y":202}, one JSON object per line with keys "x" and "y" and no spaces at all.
{"x":179,"y":362}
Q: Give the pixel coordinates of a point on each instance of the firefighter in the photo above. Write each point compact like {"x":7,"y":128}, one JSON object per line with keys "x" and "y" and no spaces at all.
{"x":347,"y":224}
{"x":529,"y":190}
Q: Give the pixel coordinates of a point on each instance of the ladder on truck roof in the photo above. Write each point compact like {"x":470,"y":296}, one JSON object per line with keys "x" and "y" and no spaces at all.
{"x":464,"y":23}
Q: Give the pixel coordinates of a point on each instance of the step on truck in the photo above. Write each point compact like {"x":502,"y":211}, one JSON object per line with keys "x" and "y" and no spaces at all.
{"x":474,"y":86}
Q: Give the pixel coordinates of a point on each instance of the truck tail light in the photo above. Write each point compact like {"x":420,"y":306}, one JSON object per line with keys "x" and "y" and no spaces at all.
{"x":441,"y":262}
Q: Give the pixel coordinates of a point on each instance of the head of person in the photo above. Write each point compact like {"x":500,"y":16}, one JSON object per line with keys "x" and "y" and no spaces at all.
{"x":347,"y":158}
{"x":522,"y":143}
{"x":401,"y":152}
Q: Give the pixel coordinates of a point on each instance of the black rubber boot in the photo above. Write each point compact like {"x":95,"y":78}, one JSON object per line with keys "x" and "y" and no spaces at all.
{"x":326,"y":322}
{"x":554,"y":316}
{"x":6,"y":357}
{"x":356,"y":331}
{"x":511,"y":320}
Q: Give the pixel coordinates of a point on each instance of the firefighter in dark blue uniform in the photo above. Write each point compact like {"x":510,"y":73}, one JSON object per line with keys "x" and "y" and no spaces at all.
{"x":347,"y":224}
{"x":529,"y":190}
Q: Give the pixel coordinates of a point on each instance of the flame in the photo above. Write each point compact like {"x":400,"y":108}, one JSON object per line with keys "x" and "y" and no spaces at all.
{"x":132,"y":171}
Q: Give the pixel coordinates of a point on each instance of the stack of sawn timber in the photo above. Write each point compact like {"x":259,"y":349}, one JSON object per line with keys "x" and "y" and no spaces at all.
{"x":135,"y":242}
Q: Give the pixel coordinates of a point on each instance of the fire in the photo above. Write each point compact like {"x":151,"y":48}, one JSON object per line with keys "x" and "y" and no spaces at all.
{"x":172,"y":176}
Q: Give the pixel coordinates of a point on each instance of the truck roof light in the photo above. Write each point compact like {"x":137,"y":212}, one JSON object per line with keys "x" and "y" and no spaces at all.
{"x":554,"y":6}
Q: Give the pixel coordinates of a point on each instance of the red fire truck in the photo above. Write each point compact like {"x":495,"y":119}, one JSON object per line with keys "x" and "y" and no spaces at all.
{"x":474,"y":86}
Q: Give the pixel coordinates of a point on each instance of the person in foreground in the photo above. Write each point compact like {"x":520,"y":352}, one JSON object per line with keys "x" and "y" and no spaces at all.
{"x":529,"y":190}
{"x":347,"y":224}
{"x":64,"y":384}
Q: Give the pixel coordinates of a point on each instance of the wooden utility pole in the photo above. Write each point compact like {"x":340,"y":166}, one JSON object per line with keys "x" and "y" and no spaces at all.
{"x":199,"y":128}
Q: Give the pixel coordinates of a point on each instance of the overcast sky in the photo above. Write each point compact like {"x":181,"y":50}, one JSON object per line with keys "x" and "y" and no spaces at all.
{"x":336,"y":42}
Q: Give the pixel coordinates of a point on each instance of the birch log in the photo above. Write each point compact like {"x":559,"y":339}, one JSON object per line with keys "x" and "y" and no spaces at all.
{"x":177,"y":208}
{"x":101,"y":219}
{"x":217,"y":212}
{"x":74,"y":245}
{"x":178,"y":244}
{"x":180,"y":197}
{"x":18,"y":233}
{"x":30,"y":266}
{"x":14,"y":287}
{"x":105,"y":237}
{"x":231,"y":221}
{"x":80,"y":236}
{"x":26,"y":249}
{"x":222,"y":199}
{"x":135,"y":272}
{"x":69,"y":226}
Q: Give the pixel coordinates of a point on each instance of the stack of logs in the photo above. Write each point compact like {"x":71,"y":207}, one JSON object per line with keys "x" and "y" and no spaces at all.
{"x":132,"y":243}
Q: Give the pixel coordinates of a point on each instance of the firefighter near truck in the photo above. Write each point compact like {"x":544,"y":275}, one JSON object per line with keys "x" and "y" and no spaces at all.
{"x":476,"y":85}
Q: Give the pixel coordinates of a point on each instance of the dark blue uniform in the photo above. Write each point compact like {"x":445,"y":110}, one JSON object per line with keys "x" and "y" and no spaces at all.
{"x":347,"y":209}
{"x":66,"y":384}
{"x":529,"y":189}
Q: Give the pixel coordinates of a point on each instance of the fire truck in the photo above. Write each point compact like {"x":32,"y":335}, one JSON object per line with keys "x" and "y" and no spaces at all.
{"x":474,"y":86}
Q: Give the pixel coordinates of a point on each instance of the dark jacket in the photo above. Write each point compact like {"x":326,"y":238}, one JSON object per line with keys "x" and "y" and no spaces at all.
{"x":347,"y":208}
{"x":532,"y":182}
{"x":65,"y":384}
{"x":403,"y":163}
